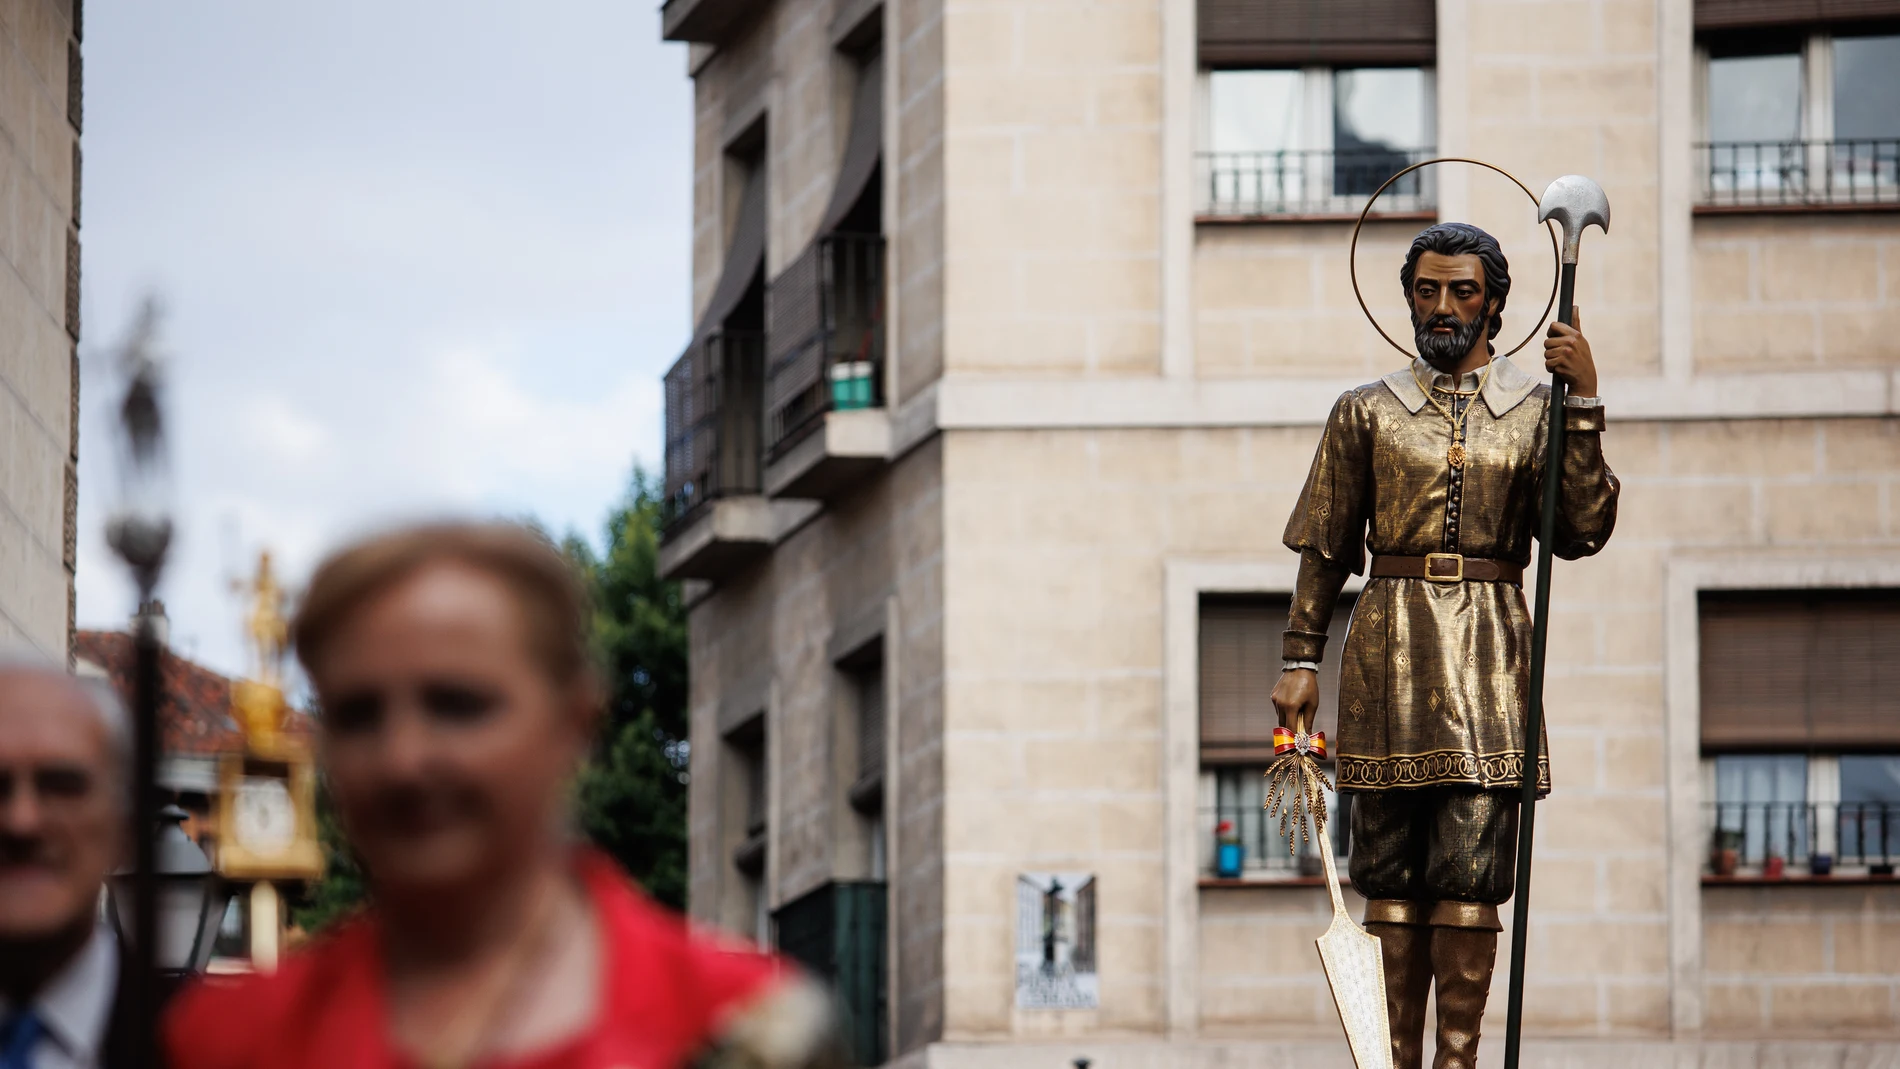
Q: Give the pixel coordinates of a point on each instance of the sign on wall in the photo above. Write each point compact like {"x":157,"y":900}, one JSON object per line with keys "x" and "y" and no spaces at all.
{"x":1055,"y":941}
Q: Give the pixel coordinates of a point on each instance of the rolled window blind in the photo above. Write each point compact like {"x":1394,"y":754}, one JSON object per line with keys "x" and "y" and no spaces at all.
{"x":1240,"y":663}
{"x":1751,"y":14}
{"x":1800,"y":670}
{"x":1292,"y":33}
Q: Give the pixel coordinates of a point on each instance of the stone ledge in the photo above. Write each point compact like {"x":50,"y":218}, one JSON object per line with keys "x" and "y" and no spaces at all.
{"x":989,"y":403}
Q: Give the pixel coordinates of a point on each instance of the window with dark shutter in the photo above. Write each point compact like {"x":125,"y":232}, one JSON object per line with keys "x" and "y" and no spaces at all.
{"x":1294,"y":33}
{"x":1757,"y":14}
{"x":1792,"y":670}
{"x":1240,"y":663}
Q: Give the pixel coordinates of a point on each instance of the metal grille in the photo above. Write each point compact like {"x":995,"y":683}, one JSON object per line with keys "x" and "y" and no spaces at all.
{"x":712,"y":421}
{"x":1857,"y":833}
{"x":1776,"y":174}
{"x":824,"y":311}
{"x":1240,"y":801}
{"x":837,"y":933}
{"x":1246,"y":185}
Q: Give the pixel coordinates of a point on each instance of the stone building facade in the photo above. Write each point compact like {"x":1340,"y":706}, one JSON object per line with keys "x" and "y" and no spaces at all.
{"x":40,"y":115}
{"x":1012,"y":611}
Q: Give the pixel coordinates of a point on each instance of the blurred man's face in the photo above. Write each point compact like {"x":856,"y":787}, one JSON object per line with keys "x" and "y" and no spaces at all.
{"x":60,"y":811}
{"x":446,"y":745}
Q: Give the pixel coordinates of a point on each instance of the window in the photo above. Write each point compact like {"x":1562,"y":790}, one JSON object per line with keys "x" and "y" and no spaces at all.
{"x":1796,"y":118}
{"x":867,"y":789}
{"x":748,"y":801}
{"x":1316,"y":140}
{"x":837,"y":932}
{"x":1801,"y":730}
{"x":1239,"y":665}
{"x":1870,"y":806}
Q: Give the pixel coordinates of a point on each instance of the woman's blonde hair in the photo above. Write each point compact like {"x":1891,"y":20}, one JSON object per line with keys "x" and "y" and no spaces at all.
{"x":555,"y":609}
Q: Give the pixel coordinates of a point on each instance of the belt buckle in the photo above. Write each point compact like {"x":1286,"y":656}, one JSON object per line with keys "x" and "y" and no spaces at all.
{"x":1456,"y":577}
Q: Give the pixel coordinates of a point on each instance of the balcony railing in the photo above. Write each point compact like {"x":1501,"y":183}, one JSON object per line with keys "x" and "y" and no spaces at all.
{"x":712,"y":422}
{"x":826,"y":332}
{"x":1851,"y":835}
{"x":1263,"y":852}
{"x":1265,"y":185}
{"x":1794,"y":174}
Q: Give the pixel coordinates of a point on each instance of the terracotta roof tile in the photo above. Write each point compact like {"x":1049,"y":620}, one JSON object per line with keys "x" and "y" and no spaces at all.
{"x":195,"y":717}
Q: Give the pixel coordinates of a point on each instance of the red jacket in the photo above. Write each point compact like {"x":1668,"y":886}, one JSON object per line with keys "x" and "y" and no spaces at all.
{"x":670,"y":995}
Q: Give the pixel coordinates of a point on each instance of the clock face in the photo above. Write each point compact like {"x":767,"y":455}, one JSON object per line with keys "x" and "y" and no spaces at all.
{"x":266,"y":819}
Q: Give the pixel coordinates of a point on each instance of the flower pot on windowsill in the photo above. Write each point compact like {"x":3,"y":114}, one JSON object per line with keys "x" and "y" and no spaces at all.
{"x":1228,"y":854}
{"x":1821,"y":865}
{"x":851,"y":385}
{"x":1726,"y":853}
{"x":1774,"y":868}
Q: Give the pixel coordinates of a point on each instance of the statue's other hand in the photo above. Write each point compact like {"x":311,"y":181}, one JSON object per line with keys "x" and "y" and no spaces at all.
{"x":1296,"y":698}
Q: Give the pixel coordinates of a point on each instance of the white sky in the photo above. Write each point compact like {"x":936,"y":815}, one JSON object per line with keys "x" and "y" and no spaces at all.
{"x":417,"y":257}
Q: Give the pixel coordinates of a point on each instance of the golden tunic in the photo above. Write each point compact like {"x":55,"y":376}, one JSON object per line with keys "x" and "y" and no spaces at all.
{"x":1434,"y":676}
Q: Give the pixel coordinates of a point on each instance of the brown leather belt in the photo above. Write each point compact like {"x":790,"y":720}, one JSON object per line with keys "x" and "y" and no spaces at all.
{"x":1448,"y":568}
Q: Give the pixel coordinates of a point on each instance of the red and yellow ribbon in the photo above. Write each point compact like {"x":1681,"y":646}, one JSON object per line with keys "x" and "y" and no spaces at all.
{"x":1313,"y":745}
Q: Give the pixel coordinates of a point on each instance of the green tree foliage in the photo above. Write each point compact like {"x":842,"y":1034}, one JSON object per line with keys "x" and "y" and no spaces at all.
{"x":630,"y":796}
{"x":341,"y":890}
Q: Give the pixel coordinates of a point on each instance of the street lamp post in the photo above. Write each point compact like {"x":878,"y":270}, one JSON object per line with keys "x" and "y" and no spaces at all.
{"x":188,"y":898}
{"x":140,"y":531}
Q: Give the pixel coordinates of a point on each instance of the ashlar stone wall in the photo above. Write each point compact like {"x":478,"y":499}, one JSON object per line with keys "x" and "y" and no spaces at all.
{"x":1052,"y":177}
{"x":1799,"y":291}
{"x":39,"y":322}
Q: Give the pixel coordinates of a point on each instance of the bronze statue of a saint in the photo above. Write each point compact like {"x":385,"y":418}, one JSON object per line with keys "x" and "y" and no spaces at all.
{"x":1438,"y":468}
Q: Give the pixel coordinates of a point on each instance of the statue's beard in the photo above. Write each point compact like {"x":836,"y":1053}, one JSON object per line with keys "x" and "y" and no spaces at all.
{"x":1446,"y":351}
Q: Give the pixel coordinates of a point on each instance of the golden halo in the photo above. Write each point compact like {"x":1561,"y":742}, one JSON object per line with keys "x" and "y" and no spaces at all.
{"x":1352,"y":253}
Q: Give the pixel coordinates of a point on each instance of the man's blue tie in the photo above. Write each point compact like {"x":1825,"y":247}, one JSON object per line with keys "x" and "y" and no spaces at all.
{"x":18,"y":1036}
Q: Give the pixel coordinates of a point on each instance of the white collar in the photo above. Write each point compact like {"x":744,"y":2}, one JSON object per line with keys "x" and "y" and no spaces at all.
{"x":77,"y":1005}
{"x":1504,"y":389}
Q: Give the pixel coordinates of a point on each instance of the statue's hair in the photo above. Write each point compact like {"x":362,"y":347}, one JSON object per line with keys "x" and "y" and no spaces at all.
{"x":1463,"y":239}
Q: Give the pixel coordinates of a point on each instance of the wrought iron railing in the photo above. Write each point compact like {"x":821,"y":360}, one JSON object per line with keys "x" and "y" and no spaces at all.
{"x":1775,"y":174}
{"x":825,"y":327}
{"x":1263,"y":851}
{"x":712,"y":422}
{"x":1804,"y":836}
{"x":1244,"y":185}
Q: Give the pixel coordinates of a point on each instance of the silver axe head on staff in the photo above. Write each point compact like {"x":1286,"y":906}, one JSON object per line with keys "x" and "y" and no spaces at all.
{"x":1575,"y":202}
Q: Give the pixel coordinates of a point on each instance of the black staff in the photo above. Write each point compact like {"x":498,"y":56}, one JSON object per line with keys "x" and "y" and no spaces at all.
{"x":1575,"y":202}
{"x":140,"y":531}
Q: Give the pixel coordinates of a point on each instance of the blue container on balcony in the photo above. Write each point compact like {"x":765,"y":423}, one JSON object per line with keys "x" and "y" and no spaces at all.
{"x":1227,"y":852}
{"x":851,"y":384}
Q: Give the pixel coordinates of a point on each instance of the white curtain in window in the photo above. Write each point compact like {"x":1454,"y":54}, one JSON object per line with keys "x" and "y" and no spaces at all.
{"x":1764,"y":796}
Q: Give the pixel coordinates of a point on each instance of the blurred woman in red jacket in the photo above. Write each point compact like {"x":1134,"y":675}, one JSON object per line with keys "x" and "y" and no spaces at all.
{"x":457,"y":697}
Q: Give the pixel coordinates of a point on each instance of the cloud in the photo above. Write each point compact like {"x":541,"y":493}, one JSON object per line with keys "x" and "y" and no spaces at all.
{"x":416,"y":259}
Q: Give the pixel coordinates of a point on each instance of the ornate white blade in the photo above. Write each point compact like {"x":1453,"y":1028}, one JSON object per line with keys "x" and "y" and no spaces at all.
{"x":1355,"y":970}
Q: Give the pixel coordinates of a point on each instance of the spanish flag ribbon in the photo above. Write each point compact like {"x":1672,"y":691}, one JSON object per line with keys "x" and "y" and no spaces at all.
{"x":1313,"y":745}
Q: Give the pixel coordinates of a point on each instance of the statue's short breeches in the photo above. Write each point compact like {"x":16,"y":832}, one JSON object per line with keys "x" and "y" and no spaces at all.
{"x":1435,"y":844}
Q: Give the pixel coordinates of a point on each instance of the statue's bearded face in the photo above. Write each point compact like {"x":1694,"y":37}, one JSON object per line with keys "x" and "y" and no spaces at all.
{"x":1450,"y":312}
